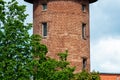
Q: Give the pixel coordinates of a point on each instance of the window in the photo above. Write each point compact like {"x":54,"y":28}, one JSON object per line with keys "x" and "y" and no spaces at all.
{"x":44,"y":29}
{"x":84,"y":62}
{"x":83,"y":7}
{"x":44,"y":6}
{"x":83,"y":30}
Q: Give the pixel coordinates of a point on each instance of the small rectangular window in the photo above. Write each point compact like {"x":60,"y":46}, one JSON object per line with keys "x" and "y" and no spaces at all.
{"x":44,"y":6}
{"x":44,"y":29}
{"x":84,"y":62}
{"x":83,"y":7}
{"x":83,"y":30}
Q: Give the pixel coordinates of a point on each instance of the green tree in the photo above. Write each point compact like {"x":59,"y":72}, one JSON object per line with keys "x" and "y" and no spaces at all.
{"x":15,"y":52}
{"x":47,"y":68}
{"x":84,"y":75}
{"x":95,"y":75}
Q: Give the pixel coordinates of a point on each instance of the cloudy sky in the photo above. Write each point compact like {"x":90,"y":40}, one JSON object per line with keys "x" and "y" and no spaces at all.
{"x":105,"y":34}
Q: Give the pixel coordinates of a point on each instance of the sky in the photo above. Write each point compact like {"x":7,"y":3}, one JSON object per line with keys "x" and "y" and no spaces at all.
{"x":104,"y":34}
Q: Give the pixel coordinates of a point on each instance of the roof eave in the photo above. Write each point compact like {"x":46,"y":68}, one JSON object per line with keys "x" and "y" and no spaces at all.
{"x":31,"y":1}
{"x":92,"y":1}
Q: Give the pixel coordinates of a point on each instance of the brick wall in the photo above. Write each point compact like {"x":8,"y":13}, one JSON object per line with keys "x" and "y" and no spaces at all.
{"x":64,"y":19}
{"x":109,"y":76}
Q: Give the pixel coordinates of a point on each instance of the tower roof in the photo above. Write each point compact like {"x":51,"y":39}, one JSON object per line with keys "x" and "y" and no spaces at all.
{"x":31,"y":1}
{"x":91,"y":1}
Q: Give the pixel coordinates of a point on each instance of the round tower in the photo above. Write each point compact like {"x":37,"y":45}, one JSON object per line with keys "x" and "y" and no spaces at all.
{"x":64,"y":25}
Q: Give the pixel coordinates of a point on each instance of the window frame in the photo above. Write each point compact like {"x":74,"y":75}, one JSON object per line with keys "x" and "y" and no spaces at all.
{"x":44,"y":6}
{"x":84,"y":63}
{"x":44,"y":29}
{"x":84,"y":7}
{"x":84,"y":31}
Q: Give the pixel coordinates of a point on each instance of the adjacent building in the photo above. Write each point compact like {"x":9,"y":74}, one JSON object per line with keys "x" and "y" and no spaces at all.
{"x":110,"y":76}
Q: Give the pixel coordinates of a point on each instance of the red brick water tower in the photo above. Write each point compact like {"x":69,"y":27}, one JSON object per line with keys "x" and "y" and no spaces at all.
{"x":64,"y":25}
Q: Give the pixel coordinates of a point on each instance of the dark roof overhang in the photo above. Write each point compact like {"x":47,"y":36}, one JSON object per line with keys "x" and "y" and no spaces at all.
{"x":31,"y":1}
{"x":109,"y":73}
{"x":92,"y":1}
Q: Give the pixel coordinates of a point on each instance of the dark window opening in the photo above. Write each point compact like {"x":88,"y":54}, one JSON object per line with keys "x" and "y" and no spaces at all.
{"x":83,"y":7}
{"x":84,"y":62}
{"x":44,"y":6}
{"x":44,"y":29}
{"x":84,"y":31}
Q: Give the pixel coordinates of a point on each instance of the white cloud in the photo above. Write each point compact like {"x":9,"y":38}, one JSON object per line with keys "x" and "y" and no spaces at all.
{"x":105,"y":48}
{"x":106,"y":55}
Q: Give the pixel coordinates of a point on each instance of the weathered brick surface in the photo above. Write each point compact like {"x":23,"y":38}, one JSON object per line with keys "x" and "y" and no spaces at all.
{"x":109,"y":76}
{"x":64,"y":18}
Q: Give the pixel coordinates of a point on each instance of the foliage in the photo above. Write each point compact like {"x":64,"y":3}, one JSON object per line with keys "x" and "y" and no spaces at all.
{"x":84,"y":75}
{"x":63,"y":56}
{"x":95,"y":75}
{"x":15,"y":53}
{"x":47,"y":68}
